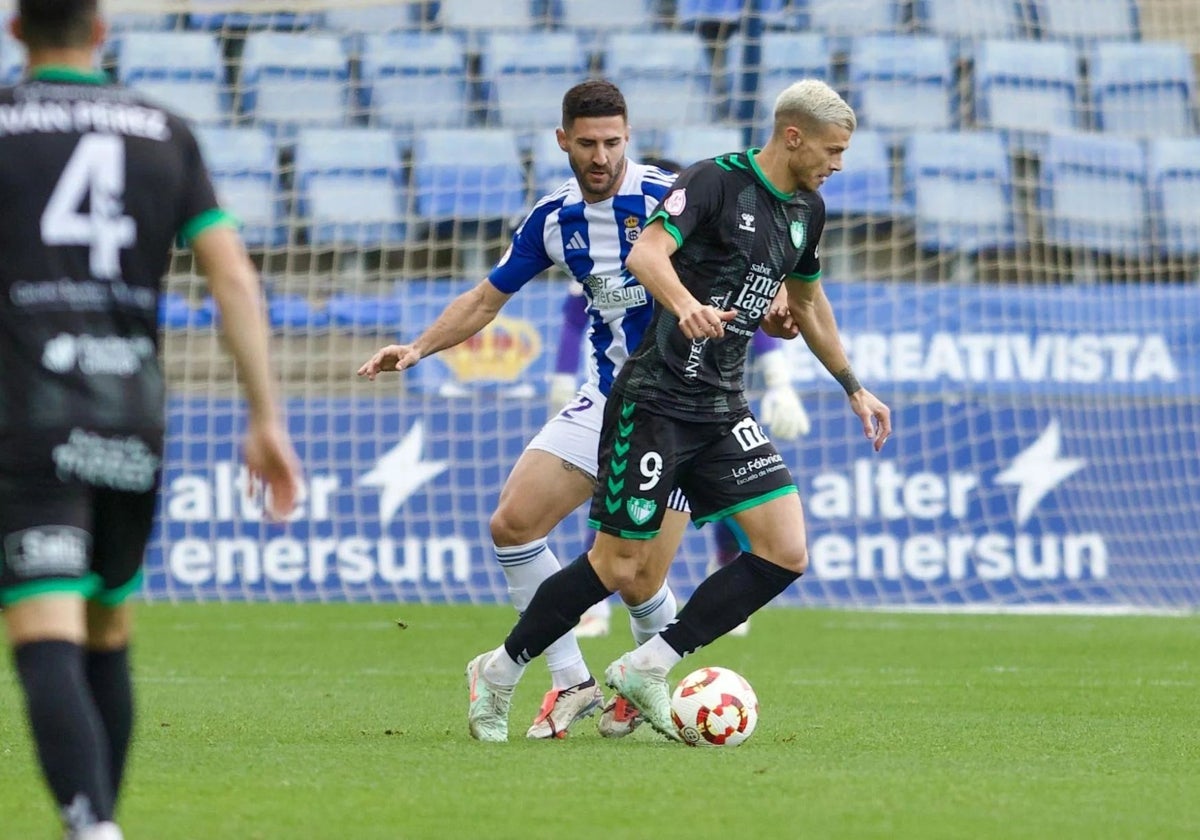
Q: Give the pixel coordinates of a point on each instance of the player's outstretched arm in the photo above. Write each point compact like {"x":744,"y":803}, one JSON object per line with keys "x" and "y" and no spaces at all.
{"x":466,"y":315}
{"x":650,"y":262}
{"x":811,"y":311}
{"x":235,"y":288}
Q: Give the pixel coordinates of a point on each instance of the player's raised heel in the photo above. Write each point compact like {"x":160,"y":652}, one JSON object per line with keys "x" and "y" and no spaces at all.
{"x":618,"y":718}
{"x":647,"y":690}
{"x":561,"y":708}
{"x":487,"y":711}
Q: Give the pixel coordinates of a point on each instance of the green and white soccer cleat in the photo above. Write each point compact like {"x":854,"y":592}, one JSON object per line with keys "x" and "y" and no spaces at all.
{"x":647,"y":690}
{"x":487,"y":712}
{"x":561,"y":708}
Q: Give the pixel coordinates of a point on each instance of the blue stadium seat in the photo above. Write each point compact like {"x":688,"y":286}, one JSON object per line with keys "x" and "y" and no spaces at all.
{"x":1086,"y":20}
{"x":609,"y":16}
{"x":207,"y":14}
{"x":175,"y":312}
{"x":1027,"y":88}
{"x":370,"y":314}
{"x":373,"y":19}
{"x":485,"y":14}
{"x":121,"y":22}
{"x":902,"y":82}
{"x":242,"y":162}
{"x":691,"y":12}
{"x":852,"y":17}
{"x":688,"y":144}
{"x":467,"y":174}
{"x":550,"y":166}
{"x":529,"y":74}
{"x":970,"y":18}
{"x":295,"y":312}
{"x":1142,"y":89}
{"x":414,"y":80}
{"x":12,"y":59}
{"x":292,"y":79}
{"x":348,"y":187}
{"x":784,"y":57}
{"x":660,"y":74}
{"x":864,"y":186}
{"x":1092,"y":193}
{"x":180,"y":70}
{"x":960,"y":190}
{"x":1174,"y":165}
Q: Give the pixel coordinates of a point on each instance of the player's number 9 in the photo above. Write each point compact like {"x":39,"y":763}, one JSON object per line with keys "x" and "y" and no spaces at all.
{"x":652,"y":467}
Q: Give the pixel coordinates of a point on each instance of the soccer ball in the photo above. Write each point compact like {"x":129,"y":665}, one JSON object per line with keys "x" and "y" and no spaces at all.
{"x":714,"y":707}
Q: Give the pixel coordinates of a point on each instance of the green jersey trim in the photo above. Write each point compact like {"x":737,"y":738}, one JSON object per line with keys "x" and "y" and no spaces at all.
{"x":746,"y":505}
{"x":775,"y":191}
{"x":216,"y":217}
{"x":119,"y":595}
{"x":807,"y":278}
{"x":666,"y":220}
{"x":597,"y":525}
{"x":85,"y":587}
{"x":71,"y":75}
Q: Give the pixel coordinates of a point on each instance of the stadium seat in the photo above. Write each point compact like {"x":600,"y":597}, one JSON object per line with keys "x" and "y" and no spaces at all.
{"x":1092,"y":193}
{"x":784,"y":57}
{"x":902,"y":82}
{"x":414,"y":80}
{"x":180,"y":70}
{"x":175,"y":312}
{"x":374,"y":19}
{"x":12,"y":58}
{"x":967,"y":19}
{"x":120,"y":22}
{"x":467,"y":174}
{"x":1026,"y":88}
{"x":291,"y":79}
{"x":371,"y":314}
{"x":485,"y":14}
{"x":688,"y":144}
{"x":1142,"y":89}
{"x":1086,"y":20}
{"x":207,"y":14}
{"x":295,"y":312}
{"x":660,"y":74}
{"x":1174,"y":165}
{"x":609,"y":16}
{"x":529,"y":74}
{"x":242,"y":162}
{"x":348,"y":187}
{"x":691,"y":12}
{"x":851,"y":17}
{"x":550,"y":166}
{"x":959,"y":186}
{"x":864,"y":186}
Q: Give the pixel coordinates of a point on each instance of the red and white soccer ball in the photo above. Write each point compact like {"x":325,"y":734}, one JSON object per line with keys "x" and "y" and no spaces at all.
{"x":714,"y":707}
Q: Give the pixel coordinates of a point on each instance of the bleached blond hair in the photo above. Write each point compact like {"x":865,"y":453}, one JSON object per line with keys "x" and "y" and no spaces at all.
{"x":811,"y":102}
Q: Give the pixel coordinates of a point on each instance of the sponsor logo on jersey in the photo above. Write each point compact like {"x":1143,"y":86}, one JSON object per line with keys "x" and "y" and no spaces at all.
{"x":749,"y":434}
{"x":797,"y":232}
{"x":613,"y":293}
{"x":500,"y":352}
{"x":118,"y":463}
{"x":96,"y":355}
{"x":675,"y":202}
{"x":48,"y":551}
{"x":747,"y":223}
{"x":576,"y":242}
{"x":640,"y":510}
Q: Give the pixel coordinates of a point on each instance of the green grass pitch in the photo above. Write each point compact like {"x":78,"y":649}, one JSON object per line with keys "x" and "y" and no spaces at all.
{"x":330,"y":721}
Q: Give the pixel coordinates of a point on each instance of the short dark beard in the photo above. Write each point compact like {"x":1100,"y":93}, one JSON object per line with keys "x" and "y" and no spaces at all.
{"x":616,"y":179}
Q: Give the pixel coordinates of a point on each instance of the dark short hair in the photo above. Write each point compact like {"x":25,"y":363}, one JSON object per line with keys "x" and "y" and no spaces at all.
{"x":57,"y":23}
{"x":593,"y":98}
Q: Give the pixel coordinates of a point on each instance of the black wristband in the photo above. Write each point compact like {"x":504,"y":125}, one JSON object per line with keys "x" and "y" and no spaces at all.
{"x":848,"y":381}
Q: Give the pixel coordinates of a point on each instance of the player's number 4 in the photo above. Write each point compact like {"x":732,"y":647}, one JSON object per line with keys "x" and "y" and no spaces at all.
{"x":96,"y":171}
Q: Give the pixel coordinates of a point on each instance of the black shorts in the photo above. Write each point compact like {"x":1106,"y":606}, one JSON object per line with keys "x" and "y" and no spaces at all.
{"x":76,"y":510}
{"x":723,"y":467}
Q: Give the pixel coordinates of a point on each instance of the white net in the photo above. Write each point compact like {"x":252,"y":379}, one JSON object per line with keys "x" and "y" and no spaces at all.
{"x":1012,"y":251}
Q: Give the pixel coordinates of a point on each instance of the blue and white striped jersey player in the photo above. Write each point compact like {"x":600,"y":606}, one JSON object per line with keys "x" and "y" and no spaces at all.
{"x":586,"y":227}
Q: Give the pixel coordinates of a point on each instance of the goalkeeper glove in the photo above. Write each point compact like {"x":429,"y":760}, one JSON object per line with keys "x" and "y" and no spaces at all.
{"x":781,"y":409}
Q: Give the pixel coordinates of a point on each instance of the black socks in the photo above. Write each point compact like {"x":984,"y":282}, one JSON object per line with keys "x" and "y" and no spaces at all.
{"x":556,"y":608}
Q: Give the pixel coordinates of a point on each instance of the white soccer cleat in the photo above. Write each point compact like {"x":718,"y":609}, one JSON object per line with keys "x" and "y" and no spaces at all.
{"x":618,"y":718}
{"x":99,"y":831}
{"x":561,"y":708}
{"x":487,"y":711}
{"x":591,"y":626}
{"x":647,"y":690}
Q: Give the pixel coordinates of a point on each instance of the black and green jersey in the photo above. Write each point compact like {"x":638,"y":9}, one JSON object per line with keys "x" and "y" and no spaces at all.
{"x":739,"y":237}
{"x":96,"y":183}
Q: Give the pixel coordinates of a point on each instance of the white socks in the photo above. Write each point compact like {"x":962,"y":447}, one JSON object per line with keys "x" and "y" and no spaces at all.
{"x":655,"y":654}
{"x":646,"y":620}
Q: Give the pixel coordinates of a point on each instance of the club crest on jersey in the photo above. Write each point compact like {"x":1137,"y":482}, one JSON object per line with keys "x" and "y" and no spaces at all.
{"x":640,"y":510}
{"x":675,"y":202}
{"x":797,"y":233}
{"x":632,"y":229}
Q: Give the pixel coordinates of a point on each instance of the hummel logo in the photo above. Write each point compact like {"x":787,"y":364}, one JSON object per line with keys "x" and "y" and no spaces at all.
{"x":576,"y":243}
{"x":747,"y":223}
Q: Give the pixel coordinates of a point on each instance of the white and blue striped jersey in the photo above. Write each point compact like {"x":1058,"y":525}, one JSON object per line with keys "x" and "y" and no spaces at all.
{"x":591,"y":242}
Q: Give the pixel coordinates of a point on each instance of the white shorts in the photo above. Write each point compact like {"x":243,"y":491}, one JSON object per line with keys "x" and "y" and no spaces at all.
{"x":574,"y":435}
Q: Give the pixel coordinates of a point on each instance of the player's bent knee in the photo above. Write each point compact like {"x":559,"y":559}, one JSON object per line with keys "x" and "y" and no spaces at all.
{"x":794,"y":560}
{"x":508,"y":527}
